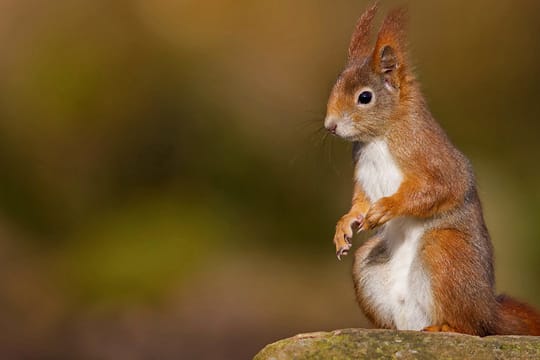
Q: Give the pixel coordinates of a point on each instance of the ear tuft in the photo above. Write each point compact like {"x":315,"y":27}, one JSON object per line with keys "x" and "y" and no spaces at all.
{"x":359,"y":45}
{"x":391,"y":50}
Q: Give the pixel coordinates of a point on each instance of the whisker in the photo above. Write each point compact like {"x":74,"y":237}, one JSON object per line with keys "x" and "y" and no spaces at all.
{"x":309,"y":132}
{"x":316,"y":136}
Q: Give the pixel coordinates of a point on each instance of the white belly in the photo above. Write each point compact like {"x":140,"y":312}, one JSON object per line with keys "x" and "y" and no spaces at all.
{"x":397,"y":289}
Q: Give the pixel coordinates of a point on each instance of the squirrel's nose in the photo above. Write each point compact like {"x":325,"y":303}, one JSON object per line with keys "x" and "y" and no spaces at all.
{"x":330,"y":124}
{"x":332,"y":128}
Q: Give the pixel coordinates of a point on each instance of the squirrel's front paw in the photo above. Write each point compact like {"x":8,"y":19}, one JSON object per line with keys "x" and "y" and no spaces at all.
{"x":344,"y":232}
{"x":379,"y":213}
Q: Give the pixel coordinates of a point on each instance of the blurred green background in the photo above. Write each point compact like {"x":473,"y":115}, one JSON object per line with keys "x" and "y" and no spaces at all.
{"x":165,"y":190}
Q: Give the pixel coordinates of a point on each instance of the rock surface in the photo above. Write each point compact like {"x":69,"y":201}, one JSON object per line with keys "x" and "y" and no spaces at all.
{"x":386,"y":344}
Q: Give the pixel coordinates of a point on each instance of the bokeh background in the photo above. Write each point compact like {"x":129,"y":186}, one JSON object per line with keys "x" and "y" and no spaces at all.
{"x":166,"y":191}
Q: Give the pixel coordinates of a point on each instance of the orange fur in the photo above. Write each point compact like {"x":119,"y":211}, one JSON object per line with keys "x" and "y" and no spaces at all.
{"x":467,"y":306}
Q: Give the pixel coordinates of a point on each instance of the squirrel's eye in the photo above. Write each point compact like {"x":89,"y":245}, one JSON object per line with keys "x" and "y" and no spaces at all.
{"x":365,"y":97}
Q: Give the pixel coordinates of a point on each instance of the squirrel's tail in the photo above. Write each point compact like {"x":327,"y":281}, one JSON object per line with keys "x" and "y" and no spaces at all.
{"x":516,"y":318}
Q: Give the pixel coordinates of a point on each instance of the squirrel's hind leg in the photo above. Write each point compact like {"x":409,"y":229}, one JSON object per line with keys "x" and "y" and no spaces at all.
{"x":461,"y":282}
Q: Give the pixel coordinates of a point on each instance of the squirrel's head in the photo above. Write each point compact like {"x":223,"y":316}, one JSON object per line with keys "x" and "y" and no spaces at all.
{"x":368,"y":92}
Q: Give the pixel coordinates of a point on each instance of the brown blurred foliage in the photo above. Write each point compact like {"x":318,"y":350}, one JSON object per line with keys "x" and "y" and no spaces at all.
{"x":165,"y":188}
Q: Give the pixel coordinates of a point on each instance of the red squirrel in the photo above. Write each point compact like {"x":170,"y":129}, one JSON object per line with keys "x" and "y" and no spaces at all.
{"x":429,"y":264}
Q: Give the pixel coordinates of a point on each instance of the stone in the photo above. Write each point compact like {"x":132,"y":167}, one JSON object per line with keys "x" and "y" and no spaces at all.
{"x":389,"y":344}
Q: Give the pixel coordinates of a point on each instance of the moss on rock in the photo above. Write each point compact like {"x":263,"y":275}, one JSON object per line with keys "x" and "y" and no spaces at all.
{"x":386,"y":344}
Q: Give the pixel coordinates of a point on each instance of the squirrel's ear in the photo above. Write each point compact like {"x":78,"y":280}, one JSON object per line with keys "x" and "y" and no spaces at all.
{"x":390,"y":54}
{"x":359,"y":45}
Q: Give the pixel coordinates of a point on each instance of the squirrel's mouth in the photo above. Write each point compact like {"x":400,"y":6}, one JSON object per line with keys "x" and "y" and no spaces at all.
{"x":347,"y":133}
{"x":342,"y":127}
{"x":348,"y":137}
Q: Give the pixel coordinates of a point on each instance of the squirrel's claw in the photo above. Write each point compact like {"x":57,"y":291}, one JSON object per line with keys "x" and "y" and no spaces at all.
{"x":345,"y":231}
{"x":359,"y":224}
{"x":343,"y":251}
{"x":343,"y":245}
